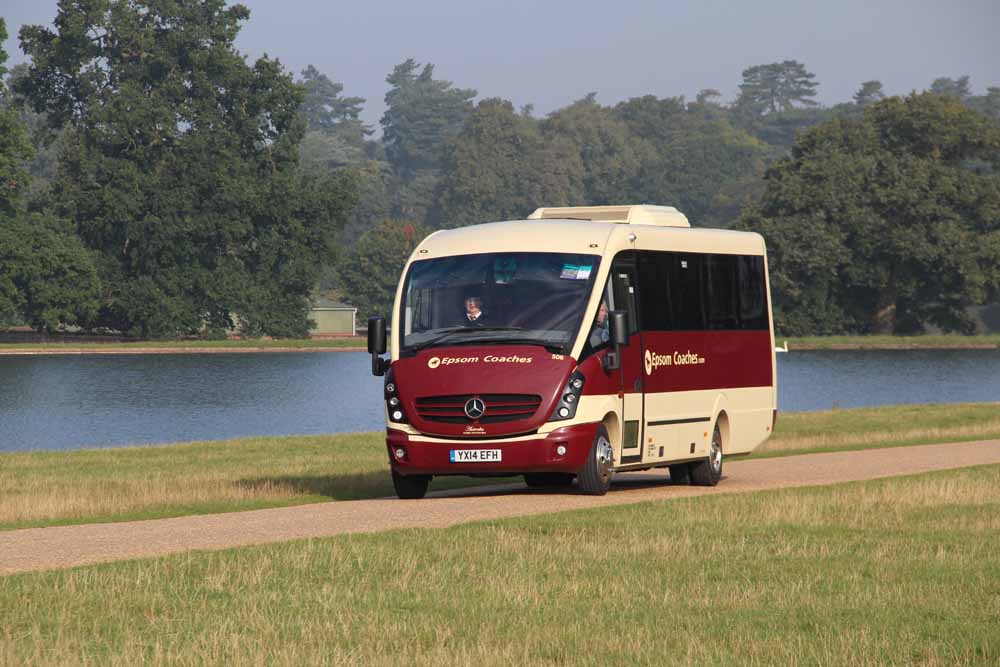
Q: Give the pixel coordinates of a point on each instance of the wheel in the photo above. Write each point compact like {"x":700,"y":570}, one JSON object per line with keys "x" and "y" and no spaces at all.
{"x":410,"y":487}
{"x":552,"y":480}
{"x":595,"y":477}
{"x":680,"y":474}
{"x":708,"y":471}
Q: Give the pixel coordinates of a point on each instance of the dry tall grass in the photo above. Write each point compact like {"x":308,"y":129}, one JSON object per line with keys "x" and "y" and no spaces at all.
{"x":891,"y":572}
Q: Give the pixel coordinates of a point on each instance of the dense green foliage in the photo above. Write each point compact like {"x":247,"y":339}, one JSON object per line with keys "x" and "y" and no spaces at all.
{"x":180,"y":168}
{"x":370,"y":271}
{"x":885,"y":223}
{"x":161,"y":185}
{"x":47,"y":279}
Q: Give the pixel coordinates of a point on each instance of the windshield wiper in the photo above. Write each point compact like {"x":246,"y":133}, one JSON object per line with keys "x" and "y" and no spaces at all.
{"x":448,"y":334}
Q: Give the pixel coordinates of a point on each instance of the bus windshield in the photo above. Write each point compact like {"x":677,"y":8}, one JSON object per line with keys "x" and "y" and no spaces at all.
{"x":532,"y":298}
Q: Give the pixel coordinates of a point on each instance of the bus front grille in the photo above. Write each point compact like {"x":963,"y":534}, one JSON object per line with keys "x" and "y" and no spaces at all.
{"x":499,"y":408}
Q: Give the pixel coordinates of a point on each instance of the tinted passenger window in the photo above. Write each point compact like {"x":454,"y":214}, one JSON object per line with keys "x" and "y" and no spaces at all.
{"x":685,"y":285}
{"x":694,"y":292}
{"x":723,"y":295}
{"x":753,"y":295}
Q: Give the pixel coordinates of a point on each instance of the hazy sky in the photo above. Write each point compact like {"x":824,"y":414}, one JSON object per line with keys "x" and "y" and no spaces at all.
{"x":550,"y":53}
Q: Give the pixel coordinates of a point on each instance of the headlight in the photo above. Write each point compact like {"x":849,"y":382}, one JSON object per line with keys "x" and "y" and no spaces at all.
{"x":566,"y":408}
{"x":393,"y":404}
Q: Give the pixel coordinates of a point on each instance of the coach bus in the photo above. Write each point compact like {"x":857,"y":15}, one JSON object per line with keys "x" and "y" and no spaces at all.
{"x":581,"y":342}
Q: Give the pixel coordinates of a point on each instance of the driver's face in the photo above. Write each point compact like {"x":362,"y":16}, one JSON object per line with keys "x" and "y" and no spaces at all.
{"x":602,"y":313}
{"x":472,"y":306}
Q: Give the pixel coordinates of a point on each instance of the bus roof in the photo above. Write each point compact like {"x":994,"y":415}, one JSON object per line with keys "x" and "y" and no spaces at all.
{"x":584,"y":237}
{"x":642,"y":214}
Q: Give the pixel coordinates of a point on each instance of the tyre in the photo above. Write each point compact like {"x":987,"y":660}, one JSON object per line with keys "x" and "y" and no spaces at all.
{"x":680,"y":474}
{"x":708,"y":471}
{"x":595,"y":477}
{"x":551,"y":480}
{"x":410,"y":487}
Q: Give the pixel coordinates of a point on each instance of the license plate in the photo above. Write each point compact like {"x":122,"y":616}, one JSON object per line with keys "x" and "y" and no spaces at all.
{"x":475,"y":455}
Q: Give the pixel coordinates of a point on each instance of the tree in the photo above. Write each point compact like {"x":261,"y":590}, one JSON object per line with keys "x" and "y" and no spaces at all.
{"x":335,"y":135}
{"x":869,"y":93}
{"x":370,"y":272}
{"x":693,"y":157}
{"x":180,"y":167}
{"x":878,"y":224}
{"x":421,"y":113}
{"x":500,"y":167}
{"x":988,"y":104}
{"x":612,"y":156}
{"x":959,"y":88}
{"x":46,"y":278}
{"x":776,"y":87}
{"x":325,"y":110}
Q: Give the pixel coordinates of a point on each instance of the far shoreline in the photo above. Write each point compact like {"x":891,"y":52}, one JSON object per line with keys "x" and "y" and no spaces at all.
{"x":357,"y":344}
{"x":111,"y":348}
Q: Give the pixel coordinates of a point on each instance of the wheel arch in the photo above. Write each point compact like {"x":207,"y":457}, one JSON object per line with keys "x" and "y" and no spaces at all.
{"x":721,"y":419}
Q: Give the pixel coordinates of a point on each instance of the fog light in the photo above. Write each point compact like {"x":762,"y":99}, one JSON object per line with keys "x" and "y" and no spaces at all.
{"x":570,"y":398}
{"x":561,"y":450}
{"x":400,"y":453}
{"x":398,"y":414}
{"x":393,"y":401}
{"x":564,"y":412}
{"x":391,"y":388}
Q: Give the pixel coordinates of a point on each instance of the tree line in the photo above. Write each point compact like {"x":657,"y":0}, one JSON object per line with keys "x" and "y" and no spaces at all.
{"x":158,"y":184}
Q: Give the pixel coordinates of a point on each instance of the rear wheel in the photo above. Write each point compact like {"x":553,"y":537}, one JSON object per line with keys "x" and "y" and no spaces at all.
{"x":410,"y":487}
{"x":550,"y":480}
{"x":595,"y":477}
{"x":708,"y":471}
{"x":680,"y":474}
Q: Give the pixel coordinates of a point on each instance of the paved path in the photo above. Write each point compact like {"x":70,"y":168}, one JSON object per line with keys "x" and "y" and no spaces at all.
{"x":68,"y":546}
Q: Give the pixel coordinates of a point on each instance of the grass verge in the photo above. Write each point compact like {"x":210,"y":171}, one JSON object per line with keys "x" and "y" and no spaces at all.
{"x":130,"y":483}
{"x":944,"y":342}
{"x":890,"y":572}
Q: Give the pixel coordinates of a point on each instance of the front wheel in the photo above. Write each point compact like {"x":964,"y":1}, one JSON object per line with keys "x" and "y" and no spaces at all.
{"x":708,"y":471}
{"x":410,"y":487}
{"x":595,"y":477}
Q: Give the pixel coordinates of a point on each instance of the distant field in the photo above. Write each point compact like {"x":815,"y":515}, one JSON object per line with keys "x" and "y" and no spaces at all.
{"x":118,"y":484}
{"x":889,"y":342}
{"x":901,"y":571}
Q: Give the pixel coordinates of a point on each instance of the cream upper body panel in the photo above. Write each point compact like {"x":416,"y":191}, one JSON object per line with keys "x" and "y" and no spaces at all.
{"x":605,"y":239}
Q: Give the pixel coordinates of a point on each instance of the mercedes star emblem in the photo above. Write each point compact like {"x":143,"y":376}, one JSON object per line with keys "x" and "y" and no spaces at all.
{"x":475,"y":408}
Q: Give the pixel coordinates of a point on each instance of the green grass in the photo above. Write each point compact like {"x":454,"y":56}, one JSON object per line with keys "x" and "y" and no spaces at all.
{"x":308,"y":343}
{"x":129,"y":483}
{"x":890,"y":572}
{"x":954,"y":341}
{"x":889,"y":426}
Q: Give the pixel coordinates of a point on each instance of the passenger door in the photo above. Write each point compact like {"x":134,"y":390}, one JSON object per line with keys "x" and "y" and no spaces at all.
{"x":623,"y":284}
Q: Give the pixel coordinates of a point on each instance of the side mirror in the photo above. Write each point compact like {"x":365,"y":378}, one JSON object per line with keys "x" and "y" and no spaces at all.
{"x":376,"y":335}
{"x":618,"y":332}
{"x":376,"y":344}
{"x":618,"y":324}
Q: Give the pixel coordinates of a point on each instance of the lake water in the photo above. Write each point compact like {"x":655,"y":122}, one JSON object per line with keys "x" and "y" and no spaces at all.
{"x":67,"y":402}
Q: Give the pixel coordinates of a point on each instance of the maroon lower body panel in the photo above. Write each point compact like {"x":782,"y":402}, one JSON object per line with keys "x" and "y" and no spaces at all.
{"x":524,"y":456}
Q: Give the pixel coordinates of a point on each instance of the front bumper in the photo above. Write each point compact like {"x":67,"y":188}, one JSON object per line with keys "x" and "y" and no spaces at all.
{"x":517,"y":457}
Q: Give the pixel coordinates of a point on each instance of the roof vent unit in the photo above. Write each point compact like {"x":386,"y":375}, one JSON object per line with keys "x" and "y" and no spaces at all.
{"x":661,"y":216}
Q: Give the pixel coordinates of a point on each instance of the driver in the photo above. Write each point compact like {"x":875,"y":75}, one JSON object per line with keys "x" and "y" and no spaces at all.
{"x":599,"y":333}
{"x":474,"y":315}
